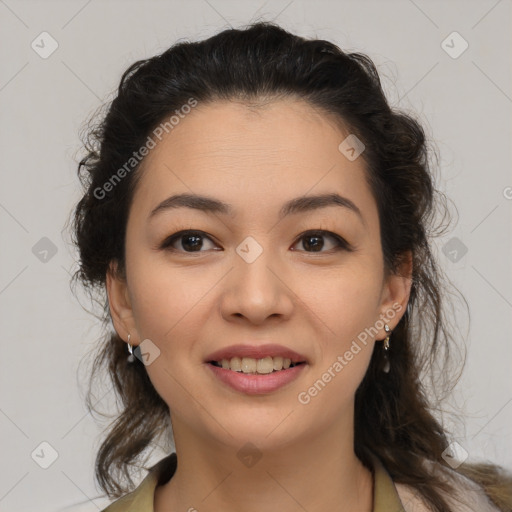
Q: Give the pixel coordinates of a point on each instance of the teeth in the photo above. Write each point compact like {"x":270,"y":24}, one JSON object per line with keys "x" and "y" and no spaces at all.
{"x":277,"y":362}
{"x":235,"y":364}
{"x":251,"y":365}
{"x":265,"y":365}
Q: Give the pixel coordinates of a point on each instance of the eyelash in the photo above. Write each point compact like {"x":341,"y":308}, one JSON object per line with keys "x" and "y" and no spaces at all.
{"x":342,"y":244}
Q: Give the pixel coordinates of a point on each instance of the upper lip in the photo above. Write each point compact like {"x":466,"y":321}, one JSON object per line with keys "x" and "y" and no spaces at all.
{"x":256,"y":352}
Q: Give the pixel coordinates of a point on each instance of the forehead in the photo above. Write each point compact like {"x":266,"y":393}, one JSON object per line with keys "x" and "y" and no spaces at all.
{"x":273,"y":132}
{"x":260,"y":155}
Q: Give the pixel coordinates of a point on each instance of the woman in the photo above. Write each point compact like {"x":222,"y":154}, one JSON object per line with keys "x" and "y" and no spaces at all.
{"x":259,"y":218}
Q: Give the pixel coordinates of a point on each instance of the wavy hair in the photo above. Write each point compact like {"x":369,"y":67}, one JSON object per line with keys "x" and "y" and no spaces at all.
{"x":394,"y":412}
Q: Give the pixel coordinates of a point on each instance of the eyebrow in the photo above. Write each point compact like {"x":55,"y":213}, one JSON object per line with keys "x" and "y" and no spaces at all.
{"x":294,"y":206}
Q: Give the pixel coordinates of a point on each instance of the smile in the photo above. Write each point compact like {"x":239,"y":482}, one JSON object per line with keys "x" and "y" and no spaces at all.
{"x":249,"y":365}
{"x":250,"y":381}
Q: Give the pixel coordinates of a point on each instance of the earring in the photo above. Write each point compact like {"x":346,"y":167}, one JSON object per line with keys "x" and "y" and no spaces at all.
{"x":131,"y":357}
{"x":386,"y":366}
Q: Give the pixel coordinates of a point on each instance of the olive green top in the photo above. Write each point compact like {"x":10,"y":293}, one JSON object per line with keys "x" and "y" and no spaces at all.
{"x":385,"y":496}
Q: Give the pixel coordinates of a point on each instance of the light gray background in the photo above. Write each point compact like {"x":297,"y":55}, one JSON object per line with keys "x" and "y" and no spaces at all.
{"x":464,"y":103}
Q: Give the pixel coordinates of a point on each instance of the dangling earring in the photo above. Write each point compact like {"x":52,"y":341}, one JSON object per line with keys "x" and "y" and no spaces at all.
{"x":131,"y":357}
{"x":386,"y":366}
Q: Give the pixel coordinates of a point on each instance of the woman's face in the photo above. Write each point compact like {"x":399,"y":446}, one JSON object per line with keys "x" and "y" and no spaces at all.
{"x":254,"y":275}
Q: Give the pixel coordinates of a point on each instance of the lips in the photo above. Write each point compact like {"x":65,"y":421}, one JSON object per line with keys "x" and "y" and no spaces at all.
{"x":256,"y":352}
{"x":254,"y":384}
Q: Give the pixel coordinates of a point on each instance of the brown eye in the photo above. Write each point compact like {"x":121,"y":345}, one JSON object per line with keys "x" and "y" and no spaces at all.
{"x":193,"y":241}
{"x":187,"y":241}
{"x":314,"y":241}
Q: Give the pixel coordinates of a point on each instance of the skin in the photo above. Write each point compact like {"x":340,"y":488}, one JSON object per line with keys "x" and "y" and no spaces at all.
{"x":190,"y":304}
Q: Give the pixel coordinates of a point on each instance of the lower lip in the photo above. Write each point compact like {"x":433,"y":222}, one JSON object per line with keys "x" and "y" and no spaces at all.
{"x":256,"y":384}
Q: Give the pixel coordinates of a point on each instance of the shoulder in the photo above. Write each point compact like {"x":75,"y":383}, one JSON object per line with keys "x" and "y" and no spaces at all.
{"x":468,"y":495}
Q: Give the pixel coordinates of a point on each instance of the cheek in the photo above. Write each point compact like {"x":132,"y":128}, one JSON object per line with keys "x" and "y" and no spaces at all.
{"x":345,"y":341}
{"x":346,"y":310}
{"x":330,"y":391}
{"x":344,"y":302}
{"x":169,"y":312}
{"x":167,"y":301}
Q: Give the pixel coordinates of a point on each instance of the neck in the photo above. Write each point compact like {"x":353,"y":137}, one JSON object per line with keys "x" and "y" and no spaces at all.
{"x":317,"y":473}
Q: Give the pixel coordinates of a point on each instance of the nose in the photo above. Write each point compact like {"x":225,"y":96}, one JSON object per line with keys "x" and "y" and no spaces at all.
{"x":257,"y":290}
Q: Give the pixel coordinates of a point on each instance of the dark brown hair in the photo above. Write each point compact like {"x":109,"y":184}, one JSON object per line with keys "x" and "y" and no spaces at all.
{"x":394,"y":413}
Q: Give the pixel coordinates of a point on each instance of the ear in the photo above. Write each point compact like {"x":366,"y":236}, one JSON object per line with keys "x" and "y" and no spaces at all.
{"x":120,"y":304}
{"x":396,"y":292}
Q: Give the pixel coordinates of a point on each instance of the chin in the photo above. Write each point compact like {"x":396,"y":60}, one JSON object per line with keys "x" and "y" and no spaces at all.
{"x":272,"y":431}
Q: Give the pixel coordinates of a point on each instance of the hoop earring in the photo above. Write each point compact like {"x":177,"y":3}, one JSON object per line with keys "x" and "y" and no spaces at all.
{"x":131,"y":357}
{"x":386,"y":365}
